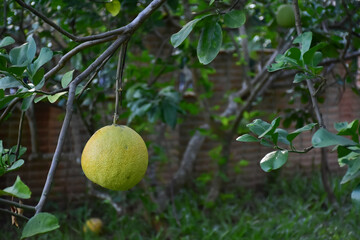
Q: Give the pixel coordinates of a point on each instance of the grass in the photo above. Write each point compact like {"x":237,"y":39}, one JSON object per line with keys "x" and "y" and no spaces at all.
{"x":295,"y":209}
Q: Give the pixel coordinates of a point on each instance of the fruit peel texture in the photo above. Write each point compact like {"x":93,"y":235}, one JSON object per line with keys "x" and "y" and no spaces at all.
{"x":115,"y":157}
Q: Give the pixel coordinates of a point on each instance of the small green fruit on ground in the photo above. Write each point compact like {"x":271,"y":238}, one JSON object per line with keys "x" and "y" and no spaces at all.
{"x":285,"y":16}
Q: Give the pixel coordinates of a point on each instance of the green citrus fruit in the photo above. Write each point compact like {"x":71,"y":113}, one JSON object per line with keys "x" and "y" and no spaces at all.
{"x":115,"y":157}
{"x":285,"y":16}
{"x":94,"y":225}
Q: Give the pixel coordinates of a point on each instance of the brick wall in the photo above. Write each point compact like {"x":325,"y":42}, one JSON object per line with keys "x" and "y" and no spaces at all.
{"x":69,"y":183}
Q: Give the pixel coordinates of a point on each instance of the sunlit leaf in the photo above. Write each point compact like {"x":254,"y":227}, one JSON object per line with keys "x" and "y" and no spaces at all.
{"x":113,"y":7}
{"x":247,"y":138}
{"x":55,"y":97}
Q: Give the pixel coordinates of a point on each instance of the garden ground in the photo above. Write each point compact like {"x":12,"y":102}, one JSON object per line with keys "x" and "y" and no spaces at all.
{"x":295,"y":209}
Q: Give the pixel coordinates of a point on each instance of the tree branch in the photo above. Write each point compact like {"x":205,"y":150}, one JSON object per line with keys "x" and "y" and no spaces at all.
{"x":16,"y":204}
{"x":64,"y":59}
{"x":9,"y":108}
{"x":130,"y":28}
{"x":19,"y":134}
{"x":14,"y":214}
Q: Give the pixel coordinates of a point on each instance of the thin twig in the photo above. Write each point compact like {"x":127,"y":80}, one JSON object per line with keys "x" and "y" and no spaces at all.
{"x":19,"y":134}
{"x":141,"y":17}
{"x":14,"y":214}
{"x":46,"y":19}
{"x":16,"y":204}
{"x":4,"y":19}
{"x":9,"y":108}
{"x":119,"y":80}
{"x":93,"y":76}
{"x":64,"y":59}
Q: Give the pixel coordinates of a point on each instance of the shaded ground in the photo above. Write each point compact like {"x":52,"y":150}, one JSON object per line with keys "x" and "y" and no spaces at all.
{"x":293,"y":209}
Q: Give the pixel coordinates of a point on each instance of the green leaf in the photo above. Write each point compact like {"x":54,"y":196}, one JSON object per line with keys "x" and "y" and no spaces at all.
{"x":282,"y":136}
{"x":9,"y":82}
{"x":271,"y":129}
{"x":177,"y":38}
{"x":1,"y":147}
{"x":19,"y":190}
{"x":18,"y":55}
{"x":348,"y":129}
{"x":40,"y":223}
{"x":318,"y":56}
{"x":31,"y":50}
{"x":55,"y":97}
{"x":353,"y":170}
{"x":274,"y":160}
{"x":113,"y":7}
{"x":299,"y":77}
{"x":247,"y":138}
{"x":6,"y":41}
{"x":312,"y":57}
{"x":258,"y":126}
{"x":209,"y":43}
{"x":16,"y":165}
{"x":355,"y":196}
{"x":45,"y":56}
{"x":305,"y":41}
{"x":39,"y":98}
{"x":277,"y":66}
{"x":295,"y":133}
{"x":38,"y":77}
{"x":235,"y":18}
{"x":66,"y":79}
{"x":211,"y":2}
{"x":293,"y":53}
{"x":26,"y":102}
{"x":324,"y":138}
{"x":169,"y":112}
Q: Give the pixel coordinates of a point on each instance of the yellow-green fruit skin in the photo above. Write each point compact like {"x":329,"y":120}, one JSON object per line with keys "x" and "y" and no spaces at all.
{"x":285,"y":16}
{"x":115,"y":157}
{"x":94,"y":225}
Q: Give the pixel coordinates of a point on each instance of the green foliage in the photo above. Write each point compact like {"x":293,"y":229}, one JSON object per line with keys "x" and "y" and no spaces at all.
{"x":8,"y":160}
{"x":305,"y":60}
{"x":211,"y":34}
{"x":144,"y":101}
{"x":269,"y":135}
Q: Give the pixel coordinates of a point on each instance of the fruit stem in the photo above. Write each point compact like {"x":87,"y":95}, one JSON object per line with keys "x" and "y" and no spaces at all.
{"x":119,"y":80}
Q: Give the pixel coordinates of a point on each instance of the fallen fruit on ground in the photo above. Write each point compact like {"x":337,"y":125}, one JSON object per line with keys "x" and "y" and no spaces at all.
{"x":94,"y":225}
{"x":285,"y":16}
{"x":115,"y":157}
